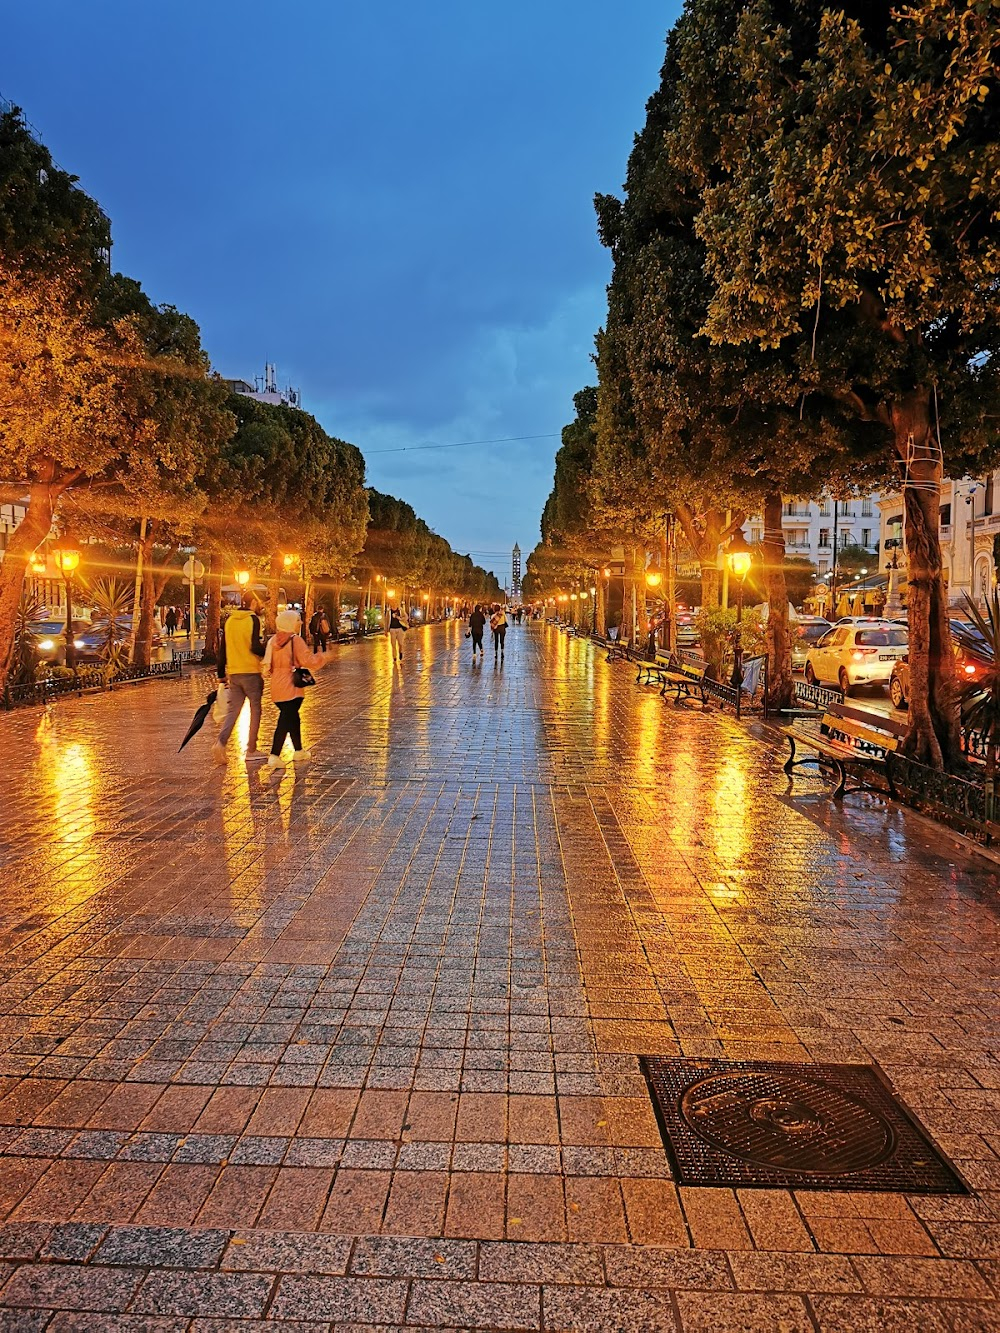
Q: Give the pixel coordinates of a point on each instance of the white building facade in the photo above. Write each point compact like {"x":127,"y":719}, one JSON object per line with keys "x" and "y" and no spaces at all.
{"x":812,"y":528}
{"x":969,"y":521}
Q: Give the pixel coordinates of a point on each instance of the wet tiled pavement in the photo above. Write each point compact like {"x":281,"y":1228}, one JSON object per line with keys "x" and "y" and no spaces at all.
{"x":361,"y":1047}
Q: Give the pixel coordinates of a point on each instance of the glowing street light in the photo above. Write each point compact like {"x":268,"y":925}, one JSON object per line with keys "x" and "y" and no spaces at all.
{"x":242,"y":577}
{"x":67,"y":560}
{"x":739,"y":560}
{"x":652,"y":578}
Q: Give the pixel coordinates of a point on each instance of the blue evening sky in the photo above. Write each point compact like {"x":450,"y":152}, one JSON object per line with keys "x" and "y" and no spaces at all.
{"x":391,"y":201}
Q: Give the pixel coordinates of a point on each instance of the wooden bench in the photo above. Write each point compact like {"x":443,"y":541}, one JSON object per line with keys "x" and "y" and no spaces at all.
{"x":619,"y":649}
{"x":685,"y":678}
{"x":846,"y":736}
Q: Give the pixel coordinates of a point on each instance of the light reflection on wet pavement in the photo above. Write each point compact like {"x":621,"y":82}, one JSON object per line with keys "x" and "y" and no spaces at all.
{"x":361,"y":1046}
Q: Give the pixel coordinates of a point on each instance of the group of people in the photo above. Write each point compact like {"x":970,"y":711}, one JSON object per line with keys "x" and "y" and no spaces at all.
{"x":176,"y":618}
{"x":496,"y":617}
{"x":245,"y":661}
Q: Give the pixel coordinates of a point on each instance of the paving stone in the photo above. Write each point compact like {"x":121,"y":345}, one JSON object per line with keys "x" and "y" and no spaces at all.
{"x":232,"y":1295}
{"x":162,"y":1247}
{"x":72,"y":1287}
{"x":597,"y":1309}
{"x":389,"y":1256}
{"x":495,"y":1305}
{"x":540,"y":1262}
{"x":287,"y":1252}
{"x":343,"y":1300}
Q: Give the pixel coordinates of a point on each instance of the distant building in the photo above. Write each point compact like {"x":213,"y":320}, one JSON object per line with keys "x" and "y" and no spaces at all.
{"x":515,"y":574}
{"x":969,"y":522}
{"x":809,"y":528}
{"x":264,"y":389}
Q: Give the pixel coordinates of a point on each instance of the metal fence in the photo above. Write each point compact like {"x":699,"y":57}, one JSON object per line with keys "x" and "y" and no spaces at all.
{"x":86,"y":681}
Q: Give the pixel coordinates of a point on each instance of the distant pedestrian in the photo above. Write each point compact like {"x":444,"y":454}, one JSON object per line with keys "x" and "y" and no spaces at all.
{"x":498,"y":624}
{"x":477,"y":624}
{"x":398,"y":625}
{"x":170,"y":622}
{"x":286,"y":650}
{"x":241,"y":650}
{"x":319,"y":628}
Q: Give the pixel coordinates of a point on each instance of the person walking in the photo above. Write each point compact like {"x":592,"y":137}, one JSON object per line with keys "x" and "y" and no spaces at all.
{"x":477,"y":624}
{"x":319,"y":628}
{"x":498,"y":624}
{"x":241,"y":650}
{"x":170,"y":622}
{"x":398,"y":625}
{"x":286,"y":650}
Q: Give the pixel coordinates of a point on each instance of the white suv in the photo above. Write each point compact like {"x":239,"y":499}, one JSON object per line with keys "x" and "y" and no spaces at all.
{"x":863,"y":653}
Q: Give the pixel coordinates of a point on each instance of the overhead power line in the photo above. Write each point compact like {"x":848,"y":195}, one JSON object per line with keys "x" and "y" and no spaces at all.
{"x":461,"y":444}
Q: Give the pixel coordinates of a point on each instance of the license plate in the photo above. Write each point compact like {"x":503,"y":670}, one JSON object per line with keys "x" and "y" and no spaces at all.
{"x":887,"y":657}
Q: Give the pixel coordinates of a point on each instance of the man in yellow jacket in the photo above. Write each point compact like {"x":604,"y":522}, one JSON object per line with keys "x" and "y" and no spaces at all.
{"x":241,"y":649}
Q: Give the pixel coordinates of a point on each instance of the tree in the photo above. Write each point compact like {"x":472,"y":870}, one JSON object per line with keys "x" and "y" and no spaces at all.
{"x":849,"y":182}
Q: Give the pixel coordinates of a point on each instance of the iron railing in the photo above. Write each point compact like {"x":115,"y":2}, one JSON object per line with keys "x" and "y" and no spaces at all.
{"x":86,"y":681}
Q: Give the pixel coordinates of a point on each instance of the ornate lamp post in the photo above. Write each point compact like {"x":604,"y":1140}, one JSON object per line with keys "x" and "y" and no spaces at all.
{"x":739,"y":560}
{"x":67,"y":559}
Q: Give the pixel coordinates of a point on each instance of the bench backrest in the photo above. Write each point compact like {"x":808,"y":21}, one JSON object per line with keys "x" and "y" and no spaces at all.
{"x":696,"y":670}
{"x":868,"y":733}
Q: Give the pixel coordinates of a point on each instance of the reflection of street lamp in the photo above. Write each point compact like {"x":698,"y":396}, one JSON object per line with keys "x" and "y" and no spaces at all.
{"x":739,"y":560}
{"x":68,"y":560}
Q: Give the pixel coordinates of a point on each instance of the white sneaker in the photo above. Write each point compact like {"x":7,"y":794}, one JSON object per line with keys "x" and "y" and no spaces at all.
{"x":255,"y":756}
{"x":274,"y":761}
{"x":218,"y":753}
{"x":302,"y":756}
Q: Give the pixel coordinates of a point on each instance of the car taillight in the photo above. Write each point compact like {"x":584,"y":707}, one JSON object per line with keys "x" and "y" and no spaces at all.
{"x":860,"y":654}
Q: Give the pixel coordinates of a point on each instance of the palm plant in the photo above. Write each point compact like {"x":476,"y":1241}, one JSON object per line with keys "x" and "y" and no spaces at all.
{"x":112,"y":604}
{"x":27,"y":625}
{"x":979,"y":699}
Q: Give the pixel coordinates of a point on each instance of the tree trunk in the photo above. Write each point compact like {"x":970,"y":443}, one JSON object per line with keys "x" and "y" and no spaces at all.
{"x":706,"y":533}
{"x":213,"y":615}
{"x":711,"y":582}
{"x":275,"y":571}
{"x":308,"y":601}
{"x":24,"y":541}
{"x":143,"y":643}
{"x":781,"y":689}
{"x":933,"y":735}
{"x":601,"y":611}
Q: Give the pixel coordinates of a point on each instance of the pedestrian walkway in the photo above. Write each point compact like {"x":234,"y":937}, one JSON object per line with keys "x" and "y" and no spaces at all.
{"x":360,"y":1048}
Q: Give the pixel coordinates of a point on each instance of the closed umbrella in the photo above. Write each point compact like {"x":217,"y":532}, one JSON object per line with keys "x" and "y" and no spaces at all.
{"x":198,"y":721}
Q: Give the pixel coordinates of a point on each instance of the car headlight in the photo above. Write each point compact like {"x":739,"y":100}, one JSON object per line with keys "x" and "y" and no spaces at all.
{"x":79,"y":643}
{"x":47,"y":645}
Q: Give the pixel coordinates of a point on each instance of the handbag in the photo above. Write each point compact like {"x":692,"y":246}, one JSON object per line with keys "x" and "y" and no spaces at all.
{"x":302,"y":677}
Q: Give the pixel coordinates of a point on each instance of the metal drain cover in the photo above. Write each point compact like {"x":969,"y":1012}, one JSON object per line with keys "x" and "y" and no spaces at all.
{"x":796,"y":1126}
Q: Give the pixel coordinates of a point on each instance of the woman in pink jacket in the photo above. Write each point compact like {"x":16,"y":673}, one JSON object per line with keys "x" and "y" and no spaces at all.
{"x":285,"y":651}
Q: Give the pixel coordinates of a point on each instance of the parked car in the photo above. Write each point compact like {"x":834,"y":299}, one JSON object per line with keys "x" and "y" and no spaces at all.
{"x":856,"y":654}
{"x":972,"y":658}
{"x":806,"y":631}
{"x":687,"y":629}
{"x":50,"y":642}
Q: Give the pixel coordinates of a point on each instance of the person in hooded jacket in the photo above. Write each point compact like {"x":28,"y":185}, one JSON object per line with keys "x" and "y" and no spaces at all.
{"x":285,"y":651}
{"x":241,"y":649}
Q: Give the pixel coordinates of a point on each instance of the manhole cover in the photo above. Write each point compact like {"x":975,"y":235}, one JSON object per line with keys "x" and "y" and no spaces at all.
{"x":797,"y":1126}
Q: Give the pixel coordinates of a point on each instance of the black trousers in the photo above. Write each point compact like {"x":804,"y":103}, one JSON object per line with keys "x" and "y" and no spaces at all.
{"x":289,"y":724}
{"x":477,"y":641}
{"x":498,"y":638}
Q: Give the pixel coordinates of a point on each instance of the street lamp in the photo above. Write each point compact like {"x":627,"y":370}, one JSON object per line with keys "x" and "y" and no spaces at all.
{"x":68,"y":559}
{"x":242,"y":577}
{"x":739,"y":560}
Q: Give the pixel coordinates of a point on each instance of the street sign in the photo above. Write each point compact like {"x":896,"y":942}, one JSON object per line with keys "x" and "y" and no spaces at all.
{"x":194,"y":570}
